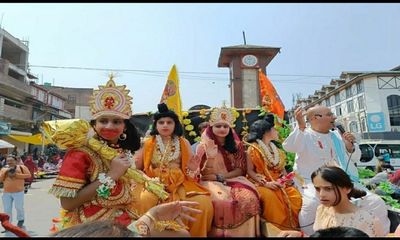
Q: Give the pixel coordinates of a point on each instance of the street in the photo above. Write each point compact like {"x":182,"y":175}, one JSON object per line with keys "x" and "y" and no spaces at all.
{"x":40,"y":208}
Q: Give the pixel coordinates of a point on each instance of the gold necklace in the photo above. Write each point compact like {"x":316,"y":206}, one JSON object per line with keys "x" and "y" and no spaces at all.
{"x":168,"y":153}
{"x":268,"y":158}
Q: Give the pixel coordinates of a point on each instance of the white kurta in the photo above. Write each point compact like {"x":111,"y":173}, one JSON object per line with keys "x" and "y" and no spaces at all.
{"x":313,"y":150}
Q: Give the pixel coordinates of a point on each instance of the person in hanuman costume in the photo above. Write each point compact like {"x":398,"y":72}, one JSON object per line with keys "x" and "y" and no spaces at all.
{"x":98,"y":179}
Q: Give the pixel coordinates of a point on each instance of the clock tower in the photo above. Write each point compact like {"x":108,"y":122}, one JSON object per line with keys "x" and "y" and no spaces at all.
{"x":243,"y":62}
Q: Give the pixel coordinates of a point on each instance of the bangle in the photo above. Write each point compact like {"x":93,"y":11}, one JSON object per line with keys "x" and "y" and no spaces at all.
{"x":140,"y":228}
{"x":164,"y":225}
{"x":107,"y":183}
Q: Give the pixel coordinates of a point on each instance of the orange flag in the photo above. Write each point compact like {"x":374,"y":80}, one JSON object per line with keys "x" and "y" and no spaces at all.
{"x":270,"y":98}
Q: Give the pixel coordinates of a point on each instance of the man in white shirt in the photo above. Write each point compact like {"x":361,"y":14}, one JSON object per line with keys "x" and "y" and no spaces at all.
{"x":319,"y":145}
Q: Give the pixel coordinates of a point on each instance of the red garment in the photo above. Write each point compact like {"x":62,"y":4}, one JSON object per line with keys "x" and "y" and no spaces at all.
{"x":394,"y":177}
{"x":231,"y":160}
{"x":4,"y":218}
{"x":81,"y":167}
{"x":32,"y":168}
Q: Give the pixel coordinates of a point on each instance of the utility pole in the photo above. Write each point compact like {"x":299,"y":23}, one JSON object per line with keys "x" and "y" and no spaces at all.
{"x":1,"y":21}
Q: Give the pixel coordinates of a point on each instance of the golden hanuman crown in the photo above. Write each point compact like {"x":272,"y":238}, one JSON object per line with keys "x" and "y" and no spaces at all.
{"x":222,"y":114}
{"x":111,"y":99}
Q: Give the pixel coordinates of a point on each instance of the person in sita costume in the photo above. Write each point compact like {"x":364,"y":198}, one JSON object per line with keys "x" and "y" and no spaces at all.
{"x":223,"y":168}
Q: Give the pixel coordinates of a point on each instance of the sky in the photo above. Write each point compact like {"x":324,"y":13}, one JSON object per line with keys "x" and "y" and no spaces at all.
{"x":318,"y":42}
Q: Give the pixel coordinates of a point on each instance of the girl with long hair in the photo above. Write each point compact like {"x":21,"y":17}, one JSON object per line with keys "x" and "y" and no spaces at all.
{"x":281,"y":201}
{"x":334,"y":189}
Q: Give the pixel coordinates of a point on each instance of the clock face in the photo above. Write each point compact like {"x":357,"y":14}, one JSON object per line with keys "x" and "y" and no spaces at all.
{"x":249,"y":60}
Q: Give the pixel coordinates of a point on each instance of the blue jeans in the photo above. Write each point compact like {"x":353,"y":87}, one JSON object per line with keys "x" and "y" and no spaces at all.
{"x":8,"y":199}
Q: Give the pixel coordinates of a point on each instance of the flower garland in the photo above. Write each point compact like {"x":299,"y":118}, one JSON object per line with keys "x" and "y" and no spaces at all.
{"x":188,"y":124}
{"x":169,"y":152}
{"x":273,"y":160}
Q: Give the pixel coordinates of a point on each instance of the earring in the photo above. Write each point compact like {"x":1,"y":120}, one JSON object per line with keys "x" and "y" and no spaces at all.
{"x":122,"y":137}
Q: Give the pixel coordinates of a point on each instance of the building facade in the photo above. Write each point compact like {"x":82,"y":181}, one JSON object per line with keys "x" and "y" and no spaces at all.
{"x":365,"y":103}
{"x":77,"y":100}
{"x":23,"y":104}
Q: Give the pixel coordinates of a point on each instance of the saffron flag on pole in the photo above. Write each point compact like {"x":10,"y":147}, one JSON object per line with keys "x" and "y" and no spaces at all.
{"x":171,"y":95}
{"x":269,"y":97}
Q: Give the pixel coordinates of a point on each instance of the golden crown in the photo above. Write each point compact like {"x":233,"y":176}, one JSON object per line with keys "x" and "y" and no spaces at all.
{"x":222,"y":114}
{"x":111,"y":99}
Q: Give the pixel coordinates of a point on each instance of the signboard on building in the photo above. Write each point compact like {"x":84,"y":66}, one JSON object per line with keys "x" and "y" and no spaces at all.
{"x":376,"y":122}
{"x":5,"y":128}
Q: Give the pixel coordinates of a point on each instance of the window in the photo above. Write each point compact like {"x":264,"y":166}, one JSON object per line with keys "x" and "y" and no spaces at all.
{"x":337,"y":98}
{"x":363,"y":125}
{"x":338,"y":111}
{"x":395,"y":151}
{"x":360,"y":87}
{"x":367,"y":153}
{"x":328,"y":102}
{"x":353,"y":127}
{"x":71,"y":99}
{"x":360,"y":101}
{"x":350,"y":106}
{"x":348,"y":92}
{"x":13,"y":104}
{"x":392,"y":149}
{"x":393,"y":102}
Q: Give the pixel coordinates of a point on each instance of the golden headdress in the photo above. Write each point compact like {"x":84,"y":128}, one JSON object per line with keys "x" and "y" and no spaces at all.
{"x":222,"y":114}
{"x":111,"y":99}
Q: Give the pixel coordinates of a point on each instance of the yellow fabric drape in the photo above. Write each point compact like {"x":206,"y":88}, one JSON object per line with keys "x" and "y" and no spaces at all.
{"x":35,"y":139}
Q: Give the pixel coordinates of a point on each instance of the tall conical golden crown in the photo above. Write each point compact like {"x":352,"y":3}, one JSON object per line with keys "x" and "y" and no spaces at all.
{"x":111,"y":99}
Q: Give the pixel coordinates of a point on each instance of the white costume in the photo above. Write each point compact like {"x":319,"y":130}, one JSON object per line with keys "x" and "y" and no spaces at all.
{"x":313,"y":150}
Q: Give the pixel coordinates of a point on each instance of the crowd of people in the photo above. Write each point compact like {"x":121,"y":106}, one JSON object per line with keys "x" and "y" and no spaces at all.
{"x":220,"y":187}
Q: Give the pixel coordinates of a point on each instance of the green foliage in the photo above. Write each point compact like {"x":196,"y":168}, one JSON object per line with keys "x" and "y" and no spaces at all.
{"x":262,"y":111}
{"x":391,"y":201}
{"x":365,"y":173}
{"x":284,"y":131}
{"x":289,"y":161}
{"x":387,"y":188}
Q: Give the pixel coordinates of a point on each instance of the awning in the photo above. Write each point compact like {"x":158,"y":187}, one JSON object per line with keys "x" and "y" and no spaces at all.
{"x":5,"y":144}
{"x":35,"y":139}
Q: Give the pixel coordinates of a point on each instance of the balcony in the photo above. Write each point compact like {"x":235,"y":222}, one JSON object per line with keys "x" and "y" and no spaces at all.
{"x":11,"y":85}
{"x":15,"y":113}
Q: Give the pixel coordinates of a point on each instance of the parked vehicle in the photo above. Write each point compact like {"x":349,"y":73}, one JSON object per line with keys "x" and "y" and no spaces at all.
{"x":371,"y":150}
